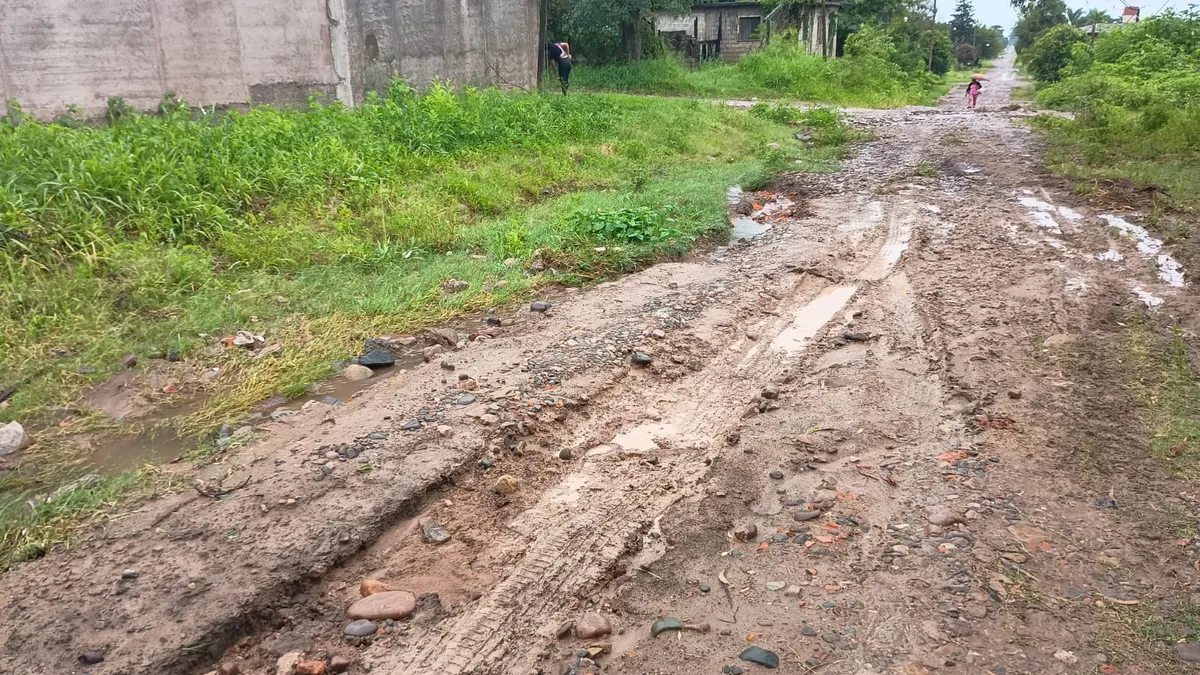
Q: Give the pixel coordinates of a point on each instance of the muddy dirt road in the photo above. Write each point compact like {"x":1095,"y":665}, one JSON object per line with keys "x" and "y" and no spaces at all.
{"x":877,"y":436}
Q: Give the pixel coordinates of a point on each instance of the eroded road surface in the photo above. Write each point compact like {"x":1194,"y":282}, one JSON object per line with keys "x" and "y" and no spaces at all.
{"x":875,"y":436}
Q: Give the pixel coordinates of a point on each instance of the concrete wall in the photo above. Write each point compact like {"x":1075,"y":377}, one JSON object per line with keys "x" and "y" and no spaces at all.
{"x":55,"y":53}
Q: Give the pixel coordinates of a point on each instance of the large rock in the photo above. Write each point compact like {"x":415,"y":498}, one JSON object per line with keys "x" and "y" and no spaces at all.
{"x":383,"y":606}
{"x":944,"y":517}
{"x":592,"y":625}
{"x":356,"y":373}
{"x":12,"y":437}
{"x":380,"y":358}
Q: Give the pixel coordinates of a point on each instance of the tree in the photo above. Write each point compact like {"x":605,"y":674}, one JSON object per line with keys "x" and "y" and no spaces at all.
{"x":966,"y":54}
{"x":989,"y":40}
{"x":1075,"y":17}
{"x":607,"y":30}
{"x":1096,"y":16}
{"x":1051,"y":52}
{"x":962,"y":23}
{"x":1037,"y":17}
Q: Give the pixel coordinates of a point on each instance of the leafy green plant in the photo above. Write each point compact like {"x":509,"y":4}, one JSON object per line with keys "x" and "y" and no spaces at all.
{"x":638,"y":225}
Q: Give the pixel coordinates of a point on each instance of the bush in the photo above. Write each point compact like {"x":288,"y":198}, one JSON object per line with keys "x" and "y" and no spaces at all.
{"x":1051,"y":53}
{"x":966,"y":54}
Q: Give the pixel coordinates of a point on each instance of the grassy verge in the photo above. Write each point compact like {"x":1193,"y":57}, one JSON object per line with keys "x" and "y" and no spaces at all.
{"x":315,"y":229}
{"x":777,"y":72}
{"x":1168,"y":388}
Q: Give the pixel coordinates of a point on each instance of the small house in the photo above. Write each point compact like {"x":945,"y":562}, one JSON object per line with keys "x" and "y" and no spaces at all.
{"x":724,"y":30}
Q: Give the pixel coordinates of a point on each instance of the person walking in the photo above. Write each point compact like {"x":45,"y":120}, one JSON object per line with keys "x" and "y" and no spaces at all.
{"x":973,"y":90}
{"x":560,"y":56}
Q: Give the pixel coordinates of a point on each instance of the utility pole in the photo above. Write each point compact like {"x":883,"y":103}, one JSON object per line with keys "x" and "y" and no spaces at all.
{"x":932,"y":34}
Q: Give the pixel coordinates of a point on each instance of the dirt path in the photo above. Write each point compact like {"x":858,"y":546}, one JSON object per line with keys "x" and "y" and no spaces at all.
{"x":923,"y":337}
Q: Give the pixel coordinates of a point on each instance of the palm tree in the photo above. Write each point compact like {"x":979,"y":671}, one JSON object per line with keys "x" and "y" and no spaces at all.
{"x":1076,"y":17}
{"x":1097,"y":16}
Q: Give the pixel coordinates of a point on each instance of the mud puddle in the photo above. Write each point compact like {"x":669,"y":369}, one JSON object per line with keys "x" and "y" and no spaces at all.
{"x":812,"y":317}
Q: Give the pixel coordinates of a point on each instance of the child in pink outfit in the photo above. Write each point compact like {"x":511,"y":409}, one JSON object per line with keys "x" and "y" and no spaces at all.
{"x":973,"y":90}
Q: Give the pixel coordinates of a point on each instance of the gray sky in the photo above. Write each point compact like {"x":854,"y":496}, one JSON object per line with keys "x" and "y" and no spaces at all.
{"x":1000,"y":12}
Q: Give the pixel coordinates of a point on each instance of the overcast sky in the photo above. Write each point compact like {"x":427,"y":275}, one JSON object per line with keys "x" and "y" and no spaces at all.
{"x":1000,"y":12}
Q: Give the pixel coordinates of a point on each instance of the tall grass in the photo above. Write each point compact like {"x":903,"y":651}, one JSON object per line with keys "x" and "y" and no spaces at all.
{"x":782,"y":70}
{"x":162,"y":233}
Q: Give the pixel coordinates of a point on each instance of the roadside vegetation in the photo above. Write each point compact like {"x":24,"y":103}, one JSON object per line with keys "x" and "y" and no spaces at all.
{"x":1134,"y":95}
{"x":160,"y":235}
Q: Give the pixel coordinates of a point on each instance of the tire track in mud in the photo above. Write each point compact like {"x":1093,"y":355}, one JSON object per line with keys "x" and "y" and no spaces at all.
{"x":578,"y":534}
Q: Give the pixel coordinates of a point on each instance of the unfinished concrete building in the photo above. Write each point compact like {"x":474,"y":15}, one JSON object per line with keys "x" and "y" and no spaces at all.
{"x":59,"y":53}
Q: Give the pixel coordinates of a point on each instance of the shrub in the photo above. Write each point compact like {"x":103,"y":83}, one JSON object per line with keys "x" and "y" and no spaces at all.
{"x":1052,"y":52}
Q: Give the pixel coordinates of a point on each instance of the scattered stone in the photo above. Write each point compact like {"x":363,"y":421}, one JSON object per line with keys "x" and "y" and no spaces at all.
{"x":564,"y":454}
{"x":699,"y":627}
{"x":663,"y":625}
{"x":977,"y":610}
{"x":856,"y":337}
{"x":792,"y":591}
{"x":486,"y":464}
{"x":776,"y":585}
{"x":505,"y":485}
{"x":746,"y":532}
{"x":830,"y":638}
{"x":357,"y":373}
{"x":770,"y":392}
{"x":539,"y":306}
{"x":229,"y":669}
{"x":130,"y":574}
{"x":339,"y":663}
{"x":704,"y":588}
{"x":944,"y":517}
{"x":808,"y":631}
{"x":379,"y":358}
{"x":1188,"y":651}
{"x":361,"y":628}
{"x":466,"y":399}
{"x":393,"y":605}
{"x":371,"y":587}
{"x":763,"y":657}
{"x":310,"y":668}
{"x":1014,"y":394}
{"x":432,"y":531}
{"x":489,"y":419}
{"x":900,"y":550}
{"x":411,"y":425}
{"x":286,"y":665}
{"x":432,"y":352}
{"x":732,"y":670}
{"x":129,"y":361}
{"x":91,"y":658}
{"x":1066,"y":656}
{"x":642,"y":359}
{"x":455,"y":286}
{"x":777,"y":474}
{"x":592,"y":625}
{"x":444,"y":430}
{"x":12,"y":437}
{"x":467,"y":383}
{"x":446,"y":365}
{"x":805,"y":515}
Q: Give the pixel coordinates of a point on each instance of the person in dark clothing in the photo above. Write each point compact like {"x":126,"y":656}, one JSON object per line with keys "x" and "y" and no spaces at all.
{"x":560,"y":56}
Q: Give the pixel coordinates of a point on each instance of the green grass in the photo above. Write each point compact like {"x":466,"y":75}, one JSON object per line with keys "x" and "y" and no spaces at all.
{"x":30,"y":530}
{"x":777,"y":72}
{"x":321,"y":227}
{"x":1168,"y":389}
